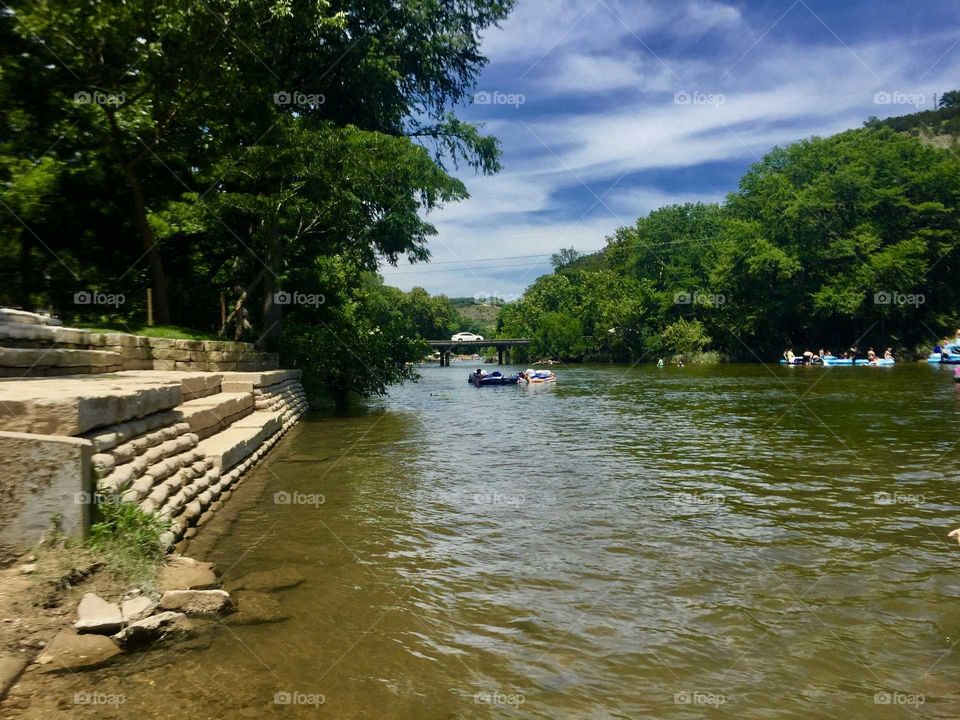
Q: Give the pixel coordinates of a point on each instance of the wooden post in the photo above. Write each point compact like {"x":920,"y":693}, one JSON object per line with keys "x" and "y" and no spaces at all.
{"x":149,"y":307}
{"x":223,"y":310}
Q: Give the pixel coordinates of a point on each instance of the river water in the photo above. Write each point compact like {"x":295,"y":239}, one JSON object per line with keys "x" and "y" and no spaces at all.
{"x":731,"y":542}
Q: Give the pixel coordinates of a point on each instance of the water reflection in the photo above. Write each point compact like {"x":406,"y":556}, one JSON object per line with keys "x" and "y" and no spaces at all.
{"x":723,"y":542}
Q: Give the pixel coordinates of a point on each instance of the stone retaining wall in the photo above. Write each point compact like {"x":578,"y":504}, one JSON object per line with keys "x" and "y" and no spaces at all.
{"x":30,"y":346}
{"x":173,"y":443}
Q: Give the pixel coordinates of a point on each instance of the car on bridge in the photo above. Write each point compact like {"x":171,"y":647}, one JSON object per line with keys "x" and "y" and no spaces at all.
{"x":466,"y":337}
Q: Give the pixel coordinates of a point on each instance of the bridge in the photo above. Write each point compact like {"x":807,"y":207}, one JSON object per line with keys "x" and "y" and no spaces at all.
{"x":444,"y":347}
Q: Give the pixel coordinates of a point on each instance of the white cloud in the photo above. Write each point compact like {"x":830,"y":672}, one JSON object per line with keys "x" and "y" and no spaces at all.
{"x":623,"y":121}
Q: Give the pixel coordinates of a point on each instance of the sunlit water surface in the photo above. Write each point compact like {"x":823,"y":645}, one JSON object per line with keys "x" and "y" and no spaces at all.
{"x":729,"y":542}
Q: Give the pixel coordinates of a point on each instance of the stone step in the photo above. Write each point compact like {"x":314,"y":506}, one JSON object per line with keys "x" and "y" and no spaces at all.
{"x":70,"y":406}
{"x":244,"y":437}
{"x":213,"y":413}
{"x":194,"y":385}
{"x":249,"y":381}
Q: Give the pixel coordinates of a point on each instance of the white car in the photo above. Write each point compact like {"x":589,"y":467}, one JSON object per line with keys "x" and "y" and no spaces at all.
{"x":466,"y":337}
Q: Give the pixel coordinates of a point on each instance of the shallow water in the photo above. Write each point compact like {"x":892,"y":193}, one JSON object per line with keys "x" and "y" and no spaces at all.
{"x":735,"y":541}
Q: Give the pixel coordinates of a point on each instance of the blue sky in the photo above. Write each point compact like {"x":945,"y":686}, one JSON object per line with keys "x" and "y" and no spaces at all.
{"x":608,"y":109}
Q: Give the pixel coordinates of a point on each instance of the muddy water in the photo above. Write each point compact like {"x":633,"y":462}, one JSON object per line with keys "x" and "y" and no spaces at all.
{"x":732,"y":542}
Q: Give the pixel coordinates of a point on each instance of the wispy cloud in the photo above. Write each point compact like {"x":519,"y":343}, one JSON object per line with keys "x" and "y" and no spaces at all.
{"x":629,"y":106}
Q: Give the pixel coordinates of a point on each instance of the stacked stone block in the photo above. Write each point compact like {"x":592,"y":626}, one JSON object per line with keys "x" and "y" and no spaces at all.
{"x":33,"y":345}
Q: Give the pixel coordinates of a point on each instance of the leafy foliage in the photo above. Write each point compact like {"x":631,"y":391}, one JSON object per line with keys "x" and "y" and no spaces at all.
{"x":829,"y":242}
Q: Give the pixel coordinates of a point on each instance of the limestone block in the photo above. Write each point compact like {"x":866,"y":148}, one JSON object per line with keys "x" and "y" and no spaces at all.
{"x":153,"y":629}
{"x":42,"y":477}
{"x":68,"y":652}
{"x":96,"y":615}
{"x":137,"y":608}
{"x":196,"y":602}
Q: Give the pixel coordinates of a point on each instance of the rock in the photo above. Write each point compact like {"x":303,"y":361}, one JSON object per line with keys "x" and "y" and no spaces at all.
{"x":255,"y":608}
{"x":183,"y":573}
{"x":269,"y":580}
{"x":196,"y":602}
{"x":10,"y":668}
{"x":96,"y":615}
{"x":69,"y":651}
{"x":28,"y":569}
{"x":161,"y":626}
{"x":137,"y":608}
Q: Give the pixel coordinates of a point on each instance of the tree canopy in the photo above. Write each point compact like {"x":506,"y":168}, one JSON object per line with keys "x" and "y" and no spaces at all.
{"x":851,"y":239}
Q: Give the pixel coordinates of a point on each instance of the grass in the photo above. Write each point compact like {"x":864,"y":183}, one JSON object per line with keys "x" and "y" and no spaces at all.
{"x":157,"y":331}
{"x":127,"y":540}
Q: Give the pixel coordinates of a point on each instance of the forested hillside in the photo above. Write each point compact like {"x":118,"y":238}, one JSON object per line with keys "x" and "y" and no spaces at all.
{"x":829,"y":242}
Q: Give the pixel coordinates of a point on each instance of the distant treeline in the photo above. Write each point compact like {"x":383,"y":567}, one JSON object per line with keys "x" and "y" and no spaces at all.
{"x":829,"y":242}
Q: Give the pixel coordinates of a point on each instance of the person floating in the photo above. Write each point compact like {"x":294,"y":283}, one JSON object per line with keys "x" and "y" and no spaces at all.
{"x":888,"y":354}
{"x":789,"y":356}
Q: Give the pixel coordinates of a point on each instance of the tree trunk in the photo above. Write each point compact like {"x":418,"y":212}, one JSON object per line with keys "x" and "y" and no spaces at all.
{"x":161,"y":302}
{"x":272,"y":310}
{"x":22,"y":296}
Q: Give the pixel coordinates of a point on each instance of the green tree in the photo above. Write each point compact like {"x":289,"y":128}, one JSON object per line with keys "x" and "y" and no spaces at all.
{"x":558,"y":336}
{"x":950,"y":99}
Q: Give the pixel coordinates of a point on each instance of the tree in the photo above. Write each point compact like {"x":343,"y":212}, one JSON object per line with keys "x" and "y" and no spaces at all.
{"x":564,"y":258}
{"x":950,"y":99}
{"x":558,"y":336}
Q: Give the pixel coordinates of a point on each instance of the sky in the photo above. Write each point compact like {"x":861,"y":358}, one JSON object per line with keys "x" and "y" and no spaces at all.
{"x":608,"y":109}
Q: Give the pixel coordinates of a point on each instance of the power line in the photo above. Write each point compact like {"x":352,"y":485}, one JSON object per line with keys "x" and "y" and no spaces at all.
{"x":386,"y":273}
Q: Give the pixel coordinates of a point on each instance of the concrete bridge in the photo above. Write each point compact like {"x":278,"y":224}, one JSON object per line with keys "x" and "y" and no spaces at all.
{"x":445,"y":347}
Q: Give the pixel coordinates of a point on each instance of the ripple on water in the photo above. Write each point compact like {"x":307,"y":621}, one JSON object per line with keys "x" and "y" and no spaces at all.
{"x":602,"y":548}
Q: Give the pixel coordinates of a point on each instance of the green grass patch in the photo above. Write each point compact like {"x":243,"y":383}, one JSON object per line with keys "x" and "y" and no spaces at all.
{"x":157,"y":331}
{"x":128,"y":540}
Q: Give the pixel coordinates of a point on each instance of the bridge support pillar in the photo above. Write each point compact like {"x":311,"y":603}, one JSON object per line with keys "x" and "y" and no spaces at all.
{"x":499,"y":356}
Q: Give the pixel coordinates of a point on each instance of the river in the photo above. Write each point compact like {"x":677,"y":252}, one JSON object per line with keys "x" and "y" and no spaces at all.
{"x":737,"y":541}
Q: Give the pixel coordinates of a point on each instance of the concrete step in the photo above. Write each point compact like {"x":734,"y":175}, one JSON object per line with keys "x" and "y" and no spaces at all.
{"x":214,"y":413}
{"x":229,"y":447}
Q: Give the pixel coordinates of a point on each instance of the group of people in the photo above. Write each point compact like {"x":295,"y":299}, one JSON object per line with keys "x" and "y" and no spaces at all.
{"x":811,"y":358}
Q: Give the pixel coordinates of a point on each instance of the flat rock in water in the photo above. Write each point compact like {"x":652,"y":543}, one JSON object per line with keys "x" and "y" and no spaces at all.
{"x":10,"y":668}
{"x":196,"y":602}
{"x":137,"y":608}
{"x":96,"y":615}
{"x":69,"y":651}
{"x":254,"y":608}
{"x":269,"y":580}
{"x":183,"y":573}
{"x":162,"y":626}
